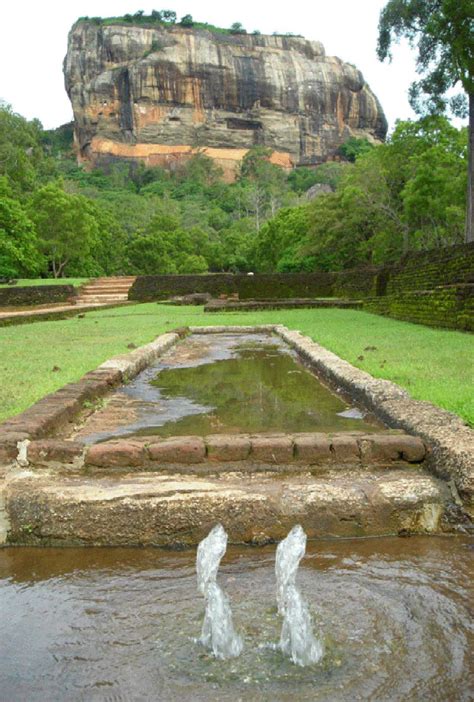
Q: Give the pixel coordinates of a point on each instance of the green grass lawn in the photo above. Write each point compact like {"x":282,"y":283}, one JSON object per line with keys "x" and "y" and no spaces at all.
{"x":431,"y":364}
{"x":28,"y":282}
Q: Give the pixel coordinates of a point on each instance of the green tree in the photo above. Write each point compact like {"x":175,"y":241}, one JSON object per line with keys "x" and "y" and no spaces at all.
{"x":168,"y":16}
{"x":278,"y":244}
{"x":443,"y":33}
{"x":264,"y":186}
{"x":148,"y":255}
{"x":19,"y":246}
{"x":64,"y":226}
{"x":237,"y":28}
{"x":405,"y":194}
{"x":354,"y":147}
{"x":187,"y":21}
{"x":22,"y":157}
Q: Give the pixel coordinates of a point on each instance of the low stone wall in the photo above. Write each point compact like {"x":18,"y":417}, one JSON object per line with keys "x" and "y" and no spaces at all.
{"x":249,"y":305}
{"x":450,"y":441}
{"x":425,"y":270}
{"x":430,"y":287}
{"x":148,"y":288}
{"x":267,"y":286}
{"x":450,"y":306}
{"x":246,"y":287}
{"x":356,"y":282}
{"x":222,"y":452}
{"x":36,"y":295}
{"x":56,"y":411}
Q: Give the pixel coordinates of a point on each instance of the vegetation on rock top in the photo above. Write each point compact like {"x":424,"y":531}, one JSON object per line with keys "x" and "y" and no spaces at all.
{"x":168,"y":18}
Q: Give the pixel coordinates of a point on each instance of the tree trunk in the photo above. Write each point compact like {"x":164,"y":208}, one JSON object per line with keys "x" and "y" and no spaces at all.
{"x":470,"y":175}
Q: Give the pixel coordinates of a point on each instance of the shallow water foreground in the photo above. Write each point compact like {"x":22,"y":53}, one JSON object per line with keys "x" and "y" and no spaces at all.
{"x":120,"y":624}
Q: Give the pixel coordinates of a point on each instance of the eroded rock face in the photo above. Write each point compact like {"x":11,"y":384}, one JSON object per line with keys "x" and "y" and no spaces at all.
{"x":155,"y":94}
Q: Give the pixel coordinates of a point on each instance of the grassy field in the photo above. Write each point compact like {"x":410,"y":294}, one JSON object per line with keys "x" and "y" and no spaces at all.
{"x":431,"y":364}
{"x":28,"y":282}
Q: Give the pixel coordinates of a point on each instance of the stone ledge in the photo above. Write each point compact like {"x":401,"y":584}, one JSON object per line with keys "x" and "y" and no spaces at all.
{"x":280,"y":304}
{"x":228,"y":451}
{"x":450,"y":440}
{"x":130,"y":364}
{"x":53,"y":413}
{"x":169,"y":510}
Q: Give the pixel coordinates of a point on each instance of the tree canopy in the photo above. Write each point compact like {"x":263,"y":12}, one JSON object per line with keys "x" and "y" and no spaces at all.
{"x":57,"y":218}
{"x":442,"y":32}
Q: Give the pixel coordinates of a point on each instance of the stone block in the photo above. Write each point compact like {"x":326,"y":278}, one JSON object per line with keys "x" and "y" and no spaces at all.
{"x":382,"y":448}
{"x":54,"y":450}
{"x":312,"y":448}
{"x":8,"y":445}
{"x":345,"y":449}
{"x":115,"y":454}
{"x":227,"y":447}
{"x":272,"y":449}
{"x":178,"y":449}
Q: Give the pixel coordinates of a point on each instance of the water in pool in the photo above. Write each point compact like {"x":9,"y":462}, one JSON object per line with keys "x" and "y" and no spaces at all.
{"x":224,"y":383}
{"x":121,"y":624}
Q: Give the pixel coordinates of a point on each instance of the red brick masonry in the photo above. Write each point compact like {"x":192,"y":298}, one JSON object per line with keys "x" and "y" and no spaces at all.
{"x":277,"y":450}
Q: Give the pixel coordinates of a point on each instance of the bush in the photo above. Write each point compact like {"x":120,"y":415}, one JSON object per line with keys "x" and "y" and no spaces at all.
{"x":237,"y":28}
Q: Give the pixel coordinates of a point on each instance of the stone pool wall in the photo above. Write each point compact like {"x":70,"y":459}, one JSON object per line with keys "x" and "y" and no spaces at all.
{"x":170,"y":491}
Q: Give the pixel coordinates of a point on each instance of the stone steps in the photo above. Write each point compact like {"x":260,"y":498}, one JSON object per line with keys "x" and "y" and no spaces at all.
{"x":105,"y":290}
{"x":96,"y":299}
{"x":172,"y":510}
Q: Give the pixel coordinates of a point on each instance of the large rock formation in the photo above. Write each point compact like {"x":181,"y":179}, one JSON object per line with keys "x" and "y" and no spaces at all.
{"x":158,"y":93}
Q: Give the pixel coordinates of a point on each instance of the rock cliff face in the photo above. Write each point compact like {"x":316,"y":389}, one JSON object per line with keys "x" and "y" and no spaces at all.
{"x":158,"y":94}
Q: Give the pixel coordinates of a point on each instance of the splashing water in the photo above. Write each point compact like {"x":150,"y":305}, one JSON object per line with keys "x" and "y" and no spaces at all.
{"x":289,"y":553}
{"x":297,"y":640}
{"x":209,"y":555}
{"x":218,"y":633}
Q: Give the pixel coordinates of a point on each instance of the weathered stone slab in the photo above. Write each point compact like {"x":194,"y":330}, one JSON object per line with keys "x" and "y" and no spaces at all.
{"x":382,"y":448}
{"x":179,"y":449}
{"x":272,"y":449}
{"x":223,"y":447}
{"x":45,"y":451}
{"x":144,"y":509}
{"x":345,"y":449}
{"x":115,"y":454}
{"x":312,"y":448}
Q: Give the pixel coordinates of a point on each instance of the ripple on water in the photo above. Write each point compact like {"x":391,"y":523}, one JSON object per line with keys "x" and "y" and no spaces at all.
{"x":117,"y":624}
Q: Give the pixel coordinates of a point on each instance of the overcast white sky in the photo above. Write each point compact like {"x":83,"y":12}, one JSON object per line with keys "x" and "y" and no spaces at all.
{"x":33,"y":41}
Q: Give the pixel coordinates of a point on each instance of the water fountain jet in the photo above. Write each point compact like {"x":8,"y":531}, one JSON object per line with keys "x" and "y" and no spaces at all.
{"x":218,"y":633}
{"x":297,"y":639}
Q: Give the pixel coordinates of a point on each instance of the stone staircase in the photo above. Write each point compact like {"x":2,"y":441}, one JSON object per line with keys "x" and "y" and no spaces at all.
{"x":105,"y":291}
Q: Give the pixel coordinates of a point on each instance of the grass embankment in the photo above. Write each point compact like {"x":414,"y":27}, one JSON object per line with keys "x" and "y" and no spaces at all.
{"x":431,"y":364}
{"x":29,"y":282}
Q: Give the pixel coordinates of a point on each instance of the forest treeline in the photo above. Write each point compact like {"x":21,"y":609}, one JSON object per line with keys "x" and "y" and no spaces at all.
{"x":58,"y":219}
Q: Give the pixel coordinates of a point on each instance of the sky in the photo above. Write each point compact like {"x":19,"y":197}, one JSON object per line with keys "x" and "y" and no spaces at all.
{"x":33,"y":43}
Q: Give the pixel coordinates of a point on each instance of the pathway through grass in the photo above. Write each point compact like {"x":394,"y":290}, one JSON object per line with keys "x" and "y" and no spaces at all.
{"x":431,"y":364}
